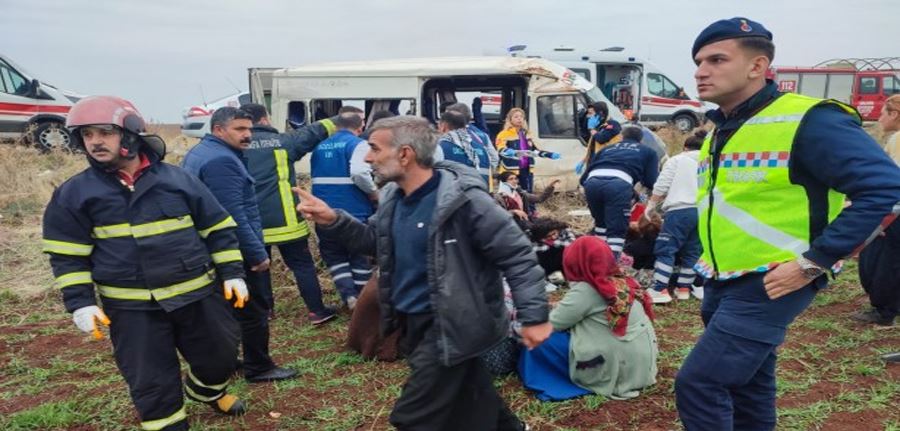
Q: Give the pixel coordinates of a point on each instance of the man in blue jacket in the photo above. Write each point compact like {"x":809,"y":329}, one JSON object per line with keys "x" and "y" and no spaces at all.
{"x":609,"y":183}
{"x":270,"y":159}
{"x":772,"y":221}
{"x":218,"y":162}
{"x":342,"y":178}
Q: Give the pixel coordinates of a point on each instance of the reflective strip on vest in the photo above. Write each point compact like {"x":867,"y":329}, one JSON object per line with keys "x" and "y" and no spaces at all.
{"x":159,"y":424}
{"x":224,"y":224}
{"x":756,"y":228}
{"x":73,"y":278}
{"x":67,"y":248}
{"x":226,"y":256}
{"x":158,"y":227}
{"x":774,"y":119}
{"x":162,"y":293}
{"x":332,"y":180}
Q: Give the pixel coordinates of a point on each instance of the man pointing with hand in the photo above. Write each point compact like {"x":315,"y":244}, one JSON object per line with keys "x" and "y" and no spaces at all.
{"x":442,"y":246}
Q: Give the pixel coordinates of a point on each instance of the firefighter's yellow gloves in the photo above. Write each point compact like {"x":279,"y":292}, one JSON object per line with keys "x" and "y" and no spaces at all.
{"x":88,"y":319}
{"x":238,"y":289}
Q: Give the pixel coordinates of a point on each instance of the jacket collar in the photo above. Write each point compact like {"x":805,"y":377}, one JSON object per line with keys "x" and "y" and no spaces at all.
{"x":747,"y":108}
{"x":151,"y":156}
{"x":263,"y":128}
{"x":455,"y":180}
{"x":213,"y":140}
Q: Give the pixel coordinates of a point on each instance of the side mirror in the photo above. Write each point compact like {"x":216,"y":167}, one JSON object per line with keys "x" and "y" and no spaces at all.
{"x":34,"y":89}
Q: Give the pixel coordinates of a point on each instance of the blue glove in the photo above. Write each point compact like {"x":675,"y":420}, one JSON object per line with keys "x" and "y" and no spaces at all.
{"x":579,"y":167}
{"x":509,"y":153}
{"x":555,"y":156}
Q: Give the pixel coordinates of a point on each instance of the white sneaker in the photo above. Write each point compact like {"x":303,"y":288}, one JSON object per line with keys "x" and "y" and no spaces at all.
{"x":683,"y":293}
{"x":351,"y":302}
{"x":550,"y":287}
{"x":697,"y":292}
{"x":659,"y":297}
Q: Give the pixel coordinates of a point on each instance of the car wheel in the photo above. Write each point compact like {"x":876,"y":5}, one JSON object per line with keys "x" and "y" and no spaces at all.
{"x":685,"y":122}
{"x":51,"y":135}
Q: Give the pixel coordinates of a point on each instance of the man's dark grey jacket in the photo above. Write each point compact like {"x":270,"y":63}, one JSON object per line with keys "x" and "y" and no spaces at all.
{"x":472,"y":244}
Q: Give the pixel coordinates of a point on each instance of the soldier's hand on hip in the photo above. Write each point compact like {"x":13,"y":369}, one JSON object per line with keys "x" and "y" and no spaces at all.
{"x":314,"y":208}
{"x":784,"y":279}
{"x":534,"y":335}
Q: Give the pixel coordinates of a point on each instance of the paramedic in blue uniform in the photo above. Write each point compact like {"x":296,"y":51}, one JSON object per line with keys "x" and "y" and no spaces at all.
{"x":342,"y":178}
{"x":609,"y":183}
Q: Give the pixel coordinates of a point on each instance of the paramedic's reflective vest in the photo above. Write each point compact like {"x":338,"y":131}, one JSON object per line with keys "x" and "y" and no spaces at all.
{"x":751,"y":216}
{"x":331,"y":179}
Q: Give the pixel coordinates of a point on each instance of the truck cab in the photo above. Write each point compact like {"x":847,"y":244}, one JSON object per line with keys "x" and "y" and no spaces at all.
{"x":864,"y":83}
{"x":33,"y":109}
{"x":635,"y":86}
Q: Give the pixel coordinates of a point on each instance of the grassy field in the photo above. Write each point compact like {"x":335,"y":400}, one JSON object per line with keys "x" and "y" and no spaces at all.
{"x":54,"y":378}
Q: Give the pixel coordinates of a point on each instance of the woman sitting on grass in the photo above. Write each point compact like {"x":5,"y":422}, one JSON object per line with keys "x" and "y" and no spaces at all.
{"x":603,"y":340}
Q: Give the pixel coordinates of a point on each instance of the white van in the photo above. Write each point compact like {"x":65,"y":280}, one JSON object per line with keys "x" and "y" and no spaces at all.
{"x":28,"y":105}
{"x":553,"y":96}
{"x":634,"y":85}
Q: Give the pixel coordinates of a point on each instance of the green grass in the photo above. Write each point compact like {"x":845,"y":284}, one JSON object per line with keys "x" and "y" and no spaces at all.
{"x":80,"y":387}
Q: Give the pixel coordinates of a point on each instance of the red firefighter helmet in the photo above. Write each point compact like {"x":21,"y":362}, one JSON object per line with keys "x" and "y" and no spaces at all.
{"x":111,"y":110}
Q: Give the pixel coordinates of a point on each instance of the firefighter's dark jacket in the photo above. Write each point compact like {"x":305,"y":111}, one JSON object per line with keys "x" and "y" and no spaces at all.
{"x":163,"y":245}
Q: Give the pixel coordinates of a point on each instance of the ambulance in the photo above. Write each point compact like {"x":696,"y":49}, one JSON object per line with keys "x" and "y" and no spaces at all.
{"x":33,"y":109}
{"x":634,"y":85}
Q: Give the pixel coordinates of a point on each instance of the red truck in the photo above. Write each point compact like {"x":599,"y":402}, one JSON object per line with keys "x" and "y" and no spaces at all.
{"x":863,"y":83}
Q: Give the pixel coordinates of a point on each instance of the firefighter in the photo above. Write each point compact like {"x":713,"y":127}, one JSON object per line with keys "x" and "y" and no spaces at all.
{"x":156,"y":245}
{"x":270,"y":159}
{"x":772,"y":183}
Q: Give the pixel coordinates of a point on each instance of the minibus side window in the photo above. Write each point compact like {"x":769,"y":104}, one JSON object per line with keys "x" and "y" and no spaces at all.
{"x":556,"y":116}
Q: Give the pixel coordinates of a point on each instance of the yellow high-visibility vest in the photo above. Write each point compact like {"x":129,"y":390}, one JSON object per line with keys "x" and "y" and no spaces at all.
{"x":751,"y":216}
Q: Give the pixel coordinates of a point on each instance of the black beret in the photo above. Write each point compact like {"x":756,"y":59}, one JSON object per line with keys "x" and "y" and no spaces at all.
{"x":733,"y":28}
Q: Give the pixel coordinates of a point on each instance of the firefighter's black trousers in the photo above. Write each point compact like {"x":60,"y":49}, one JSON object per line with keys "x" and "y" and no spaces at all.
{"x":147,"y":344}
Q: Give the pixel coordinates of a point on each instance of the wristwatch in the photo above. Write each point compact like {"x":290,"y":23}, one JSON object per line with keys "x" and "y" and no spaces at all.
{"x":810,"y":269}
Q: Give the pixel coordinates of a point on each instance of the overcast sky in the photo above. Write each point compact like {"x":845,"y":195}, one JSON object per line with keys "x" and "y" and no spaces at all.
{"x":160,"y":53}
